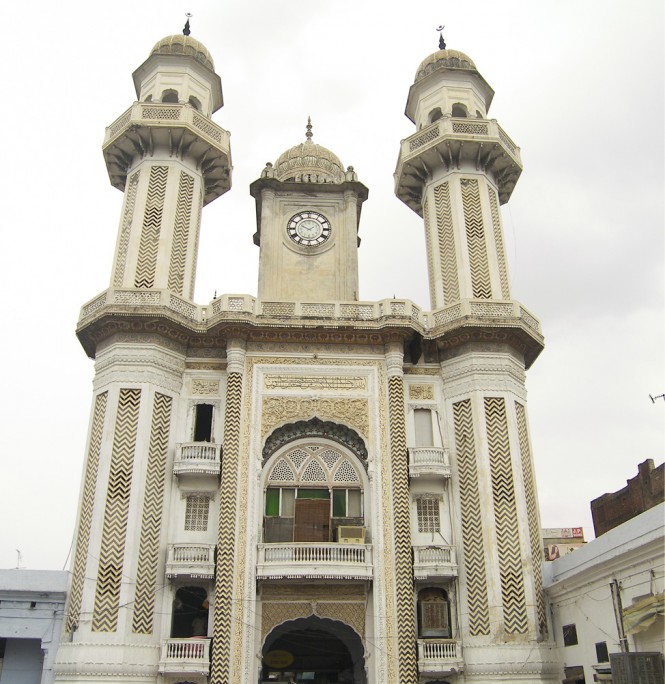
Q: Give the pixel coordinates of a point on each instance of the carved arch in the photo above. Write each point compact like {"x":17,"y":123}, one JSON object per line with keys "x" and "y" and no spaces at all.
{"x":315,"y":427}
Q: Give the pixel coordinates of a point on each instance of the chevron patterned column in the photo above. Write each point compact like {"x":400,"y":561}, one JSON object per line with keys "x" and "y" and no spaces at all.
{"x":513,"y":598}
{"x":533,"y":517}
{"x":85,"y":521}
{"x":406,"y":617}
{"x":152,"y":223}
{"x":472,"y":521}
{"x":112,"y":552}
{"x":221,"y":666}
{"x":475,"y":236}
{"x":125,"y":229}
{"x":446,"y":240}
{"x":153,"y":504}
{"x":183,"y":214}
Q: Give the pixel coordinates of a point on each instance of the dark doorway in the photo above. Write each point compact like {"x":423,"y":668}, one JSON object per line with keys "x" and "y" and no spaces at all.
{"x":190,"y":613}
{"x":203,"y":423}
{"x":314,"y":651}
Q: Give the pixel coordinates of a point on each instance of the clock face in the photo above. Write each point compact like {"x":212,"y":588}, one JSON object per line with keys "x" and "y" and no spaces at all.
{"x":308,"y":228}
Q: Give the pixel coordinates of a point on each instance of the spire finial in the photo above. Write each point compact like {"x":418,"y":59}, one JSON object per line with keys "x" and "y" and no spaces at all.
{"x":186,"y":31}
{"x":309,"y":133}
{"x":442,"y":42}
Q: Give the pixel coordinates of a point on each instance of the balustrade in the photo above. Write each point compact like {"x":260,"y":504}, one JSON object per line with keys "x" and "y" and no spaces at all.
{"x":185,"y":656}
{"x":315,"y":560}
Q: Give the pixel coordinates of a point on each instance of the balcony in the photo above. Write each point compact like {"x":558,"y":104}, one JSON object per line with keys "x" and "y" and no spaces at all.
{"x":196,"y":561}
{"x":429,"y":462}
{"x":439,"y":657}
{"x":322,"y":560}
{"x":172,"y":126}
{"x":434,"y":561}
{"x":197,"y":458}
{"x":185,"y":656}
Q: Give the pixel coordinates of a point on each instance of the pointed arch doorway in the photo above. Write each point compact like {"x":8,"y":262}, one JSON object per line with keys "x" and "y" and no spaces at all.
{"x":314,"y":650}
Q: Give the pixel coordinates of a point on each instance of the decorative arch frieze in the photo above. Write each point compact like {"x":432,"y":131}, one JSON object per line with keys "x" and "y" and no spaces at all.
{"x":315,"y":428}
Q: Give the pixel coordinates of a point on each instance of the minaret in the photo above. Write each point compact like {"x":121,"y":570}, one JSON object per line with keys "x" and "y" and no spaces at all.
{"x":169,"y":158}
{"x":455,"y":171}
{"x":308,"y":209}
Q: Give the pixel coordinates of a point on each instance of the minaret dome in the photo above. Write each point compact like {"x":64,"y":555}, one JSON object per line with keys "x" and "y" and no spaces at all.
{"x":180,"y":70}
{"x":447,"y":83}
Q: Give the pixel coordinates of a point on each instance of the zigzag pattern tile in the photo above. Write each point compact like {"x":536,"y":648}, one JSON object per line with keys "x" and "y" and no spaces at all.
{"x":406,"y":626}
{"x":472,"y":521}
{"x":152,"y":223}
{"x":430,"y":255}
{"x":220,"y":672}
{"x":153,"y":503}
{"x":503,"y":493}
{"x":475,"y":239}
{"x":195,"y":255}
{"x":446,"y":234}
{"x":85,"y":522}
{"x":111,"y":555}
{"x":125,"y":231}
{"x":498,"y":242}
{"x":532,"y":514}
{"x":183,"y":215}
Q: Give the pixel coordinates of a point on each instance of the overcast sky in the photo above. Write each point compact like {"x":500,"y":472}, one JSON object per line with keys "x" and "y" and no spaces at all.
{"x":579,"y":87}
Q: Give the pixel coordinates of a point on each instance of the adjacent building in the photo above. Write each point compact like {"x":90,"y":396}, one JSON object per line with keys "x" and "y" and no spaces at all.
{"x":607,"y":604}
{"x":304,"y":485}
{"x":642,"y":492}
{"x":32,"y":607}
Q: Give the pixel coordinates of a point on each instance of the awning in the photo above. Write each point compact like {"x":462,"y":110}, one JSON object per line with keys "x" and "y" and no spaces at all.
{"x":643,"y":614}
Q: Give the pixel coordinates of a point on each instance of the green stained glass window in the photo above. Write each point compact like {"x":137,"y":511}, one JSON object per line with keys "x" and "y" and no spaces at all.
{"x":272,"y":501}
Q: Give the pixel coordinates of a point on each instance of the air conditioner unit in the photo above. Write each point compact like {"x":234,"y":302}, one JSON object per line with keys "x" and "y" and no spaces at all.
{"x":347,"y":534}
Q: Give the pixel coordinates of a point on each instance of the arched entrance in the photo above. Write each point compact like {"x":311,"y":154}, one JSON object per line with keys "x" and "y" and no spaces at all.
{"x":314,"y":650}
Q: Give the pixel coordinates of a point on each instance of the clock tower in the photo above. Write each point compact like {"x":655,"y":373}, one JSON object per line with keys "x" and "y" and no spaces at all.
{"x":308,"y":209}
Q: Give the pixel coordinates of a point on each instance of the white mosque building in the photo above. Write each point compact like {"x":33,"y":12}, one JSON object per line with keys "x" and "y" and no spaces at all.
{"x":304,"y":486}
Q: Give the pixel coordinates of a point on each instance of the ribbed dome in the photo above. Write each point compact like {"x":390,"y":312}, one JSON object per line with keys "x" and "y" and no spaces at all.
{"x":449,"y":59}
{"x":308,"y":158}
{"x":184,"y":45}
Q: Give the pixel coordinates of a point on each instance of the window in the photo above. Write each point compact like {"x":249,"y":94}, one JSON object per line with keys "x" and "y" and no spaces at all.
{"x":459,"y":110}
{"x":196,"y":512}
{"x":427,"y":508}
{"x":203,"y":423}
{"x":347,"y":503}
{"x":569,"y":635}
{"x":195,"y":103}
{"x":311,"y":490}
{"x":190,"y":613}
{"x":433,"y":613}
{"x":170,"y":96}
{"x":602,"y":656}
{"x":435,"y":115}
{"x":422,"y":419}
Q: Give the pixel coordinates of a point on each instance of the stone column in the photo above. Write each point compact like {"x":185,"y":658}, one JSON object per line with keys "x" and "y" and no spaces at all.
{"x":221,"y":665}
{"x":406,"y":624}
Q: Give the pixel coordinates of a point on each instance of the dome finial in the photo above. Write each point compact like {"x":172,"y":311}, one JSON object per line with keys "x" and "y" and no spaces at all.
{"x":309,"y":133}
{"x":442,"y":42}
{"x":186,"y":31}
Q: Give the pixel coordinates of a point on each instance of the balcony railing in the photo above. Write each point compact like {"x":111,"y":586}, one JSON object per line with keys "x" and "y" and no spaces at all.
{"x":439,"y":656}
{"x":197,"y":458}
{"x":185,"y":656}
{"x":311,"y":559}
{"x":434,"y":561}
{"x":429,"y":462}
{"x":191,"y":560}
